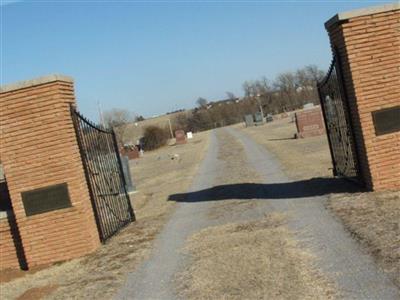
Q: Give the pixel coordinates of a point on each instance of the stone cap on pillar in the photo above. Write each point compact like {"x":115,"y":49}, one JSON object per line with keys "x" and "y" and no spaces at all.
{"x":343,"y":16}
{"x":33,"y":82}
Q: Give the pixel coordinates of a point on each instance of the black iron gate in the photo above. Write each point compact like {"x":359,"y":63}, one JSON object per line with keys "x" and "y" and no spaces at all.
{"x":338,"y":123}
{"x":111,"y":205}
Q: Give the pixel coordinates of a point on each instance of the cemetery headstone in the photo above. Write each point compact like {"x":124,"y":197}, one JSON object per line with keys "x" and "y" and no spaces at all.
{"x":180,"y":136}
{"x":308,"y":106}
{"x":130,"y":188}
{"x":248,"y":119}
{"x":259,"y":119}
{"x":132,"y":152}
{"x":310,"y":123}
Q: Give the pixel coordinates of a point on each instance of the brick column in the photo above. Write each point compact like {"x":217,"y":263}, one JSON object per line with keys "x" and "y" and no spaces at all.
{"x":39,"y":149}
{"x":367,"y":42}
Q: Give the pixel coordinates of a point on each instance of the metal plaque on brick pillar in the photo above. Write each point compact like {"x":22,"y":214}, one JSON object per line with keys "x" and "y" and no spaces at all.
{"x":386,"y":120}
{"x":46,"y":199}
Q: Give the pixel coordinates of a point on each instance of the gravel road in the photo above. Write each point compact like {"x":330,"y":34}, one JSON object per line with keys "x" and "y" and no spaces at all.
{"x":338,"y":255}
{"x":154,"y":279}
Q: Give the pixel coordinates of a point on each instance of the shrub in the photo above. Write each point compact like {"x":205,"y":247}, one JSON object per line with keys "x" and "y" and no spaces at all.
{"x":154,"y":137}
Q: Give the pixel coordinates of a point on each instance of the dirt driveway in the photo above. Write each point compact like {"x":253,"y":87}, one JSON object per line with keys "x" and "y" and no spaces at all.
{"x":244,"y":230}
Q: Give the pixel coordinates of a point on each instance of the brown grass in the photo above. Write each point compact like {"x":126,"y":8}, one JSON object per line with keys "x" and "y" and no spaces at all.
{"x":374,"y":220}
{"x":301,"y":158}
{"x":234,"y":170}
{"x":99,"y":275}
{"x":256,"y":259}
{"x":133,"y":131}
{"x":252,"y":260}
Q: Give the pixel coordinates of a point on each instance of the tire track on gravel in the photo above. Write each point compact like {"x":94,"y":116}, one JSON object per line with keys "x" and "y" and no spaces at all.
{"x":154,"y":278}
{"x":338,"y":255}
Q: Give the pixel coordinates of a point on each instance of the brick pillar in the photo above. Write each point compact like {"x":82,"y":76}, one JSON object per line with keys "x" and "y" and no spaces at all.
{"x":367,"y":42}
{"x":38,"y":150}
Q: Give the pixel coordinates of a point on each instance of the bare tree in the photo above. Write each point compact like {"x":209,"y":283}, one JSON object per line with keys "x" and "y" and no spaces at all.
{"x":180,"y":121}
{"x":306,"y":80}
{"x":314,"y":73}
{"x":286,"y":84}
{"x":231,"y":95}
{"x":139,"y":118}
{"x":264,"y":94}
{"x":305,"y":84}
{"x":117,"y":119}
{"x":248,"y":89}
{"x":201,"y":102}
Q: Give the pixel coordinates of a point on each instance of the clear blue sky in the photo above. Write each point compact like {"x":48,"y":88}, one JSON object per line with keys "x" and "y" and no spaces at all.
{"x":156,"y":57}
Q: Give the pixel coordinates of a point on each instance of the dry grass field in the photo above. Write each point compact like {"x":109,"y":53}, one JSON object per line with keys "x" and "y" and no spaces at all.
{"x":373,"y":218}
{"x":158,"y":174}
{"x":301,"y":158}
{"x":251,"y":260}
{"x":263,"y":261}
{"x":130,"y":133}
{"x":248,"y":256}
{"x":233,"y":170}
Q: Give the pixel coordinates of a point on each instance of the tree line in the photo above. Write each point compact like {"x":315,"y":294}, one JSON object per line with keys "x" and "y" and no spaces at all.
{"x":287,"y":92}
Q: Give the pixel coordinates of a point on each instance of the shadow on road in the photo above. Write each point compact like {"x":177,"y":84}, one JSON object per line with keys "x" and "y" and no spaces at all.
{"x":282,"y":139}
{"x":297,"y":189}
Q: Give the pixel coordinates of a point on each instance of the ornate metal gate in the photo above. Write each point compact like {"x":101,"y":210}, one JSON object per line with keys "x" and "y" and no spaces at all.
{"x":111,"y":205}
{"x":338,"y":124}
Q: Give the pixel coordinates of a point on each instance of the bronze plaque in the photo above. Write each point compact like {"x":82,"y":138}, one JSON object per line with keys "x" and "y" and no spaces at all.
{"x":386,"y":120}
{"x":46,"y":199}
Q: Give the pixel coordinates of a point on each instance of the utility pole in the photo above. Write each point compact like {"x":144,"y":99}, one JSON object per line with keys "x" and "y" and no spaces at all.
{"x":101,"y":119}
{"x":259,"y":104}
{"x":170,"y":128}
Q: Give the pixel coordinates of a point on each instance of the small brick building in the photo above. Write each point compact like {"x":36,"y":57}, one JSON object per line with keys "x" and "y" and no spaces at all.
{"x":39,"y":149}
{"x":368,"y":44}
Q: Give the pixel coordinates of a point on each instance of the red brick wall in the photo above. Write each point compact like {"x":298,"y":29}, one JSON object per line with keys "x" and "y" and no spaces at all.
{"x":39,"y":149}
{"x":369,"y":48}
